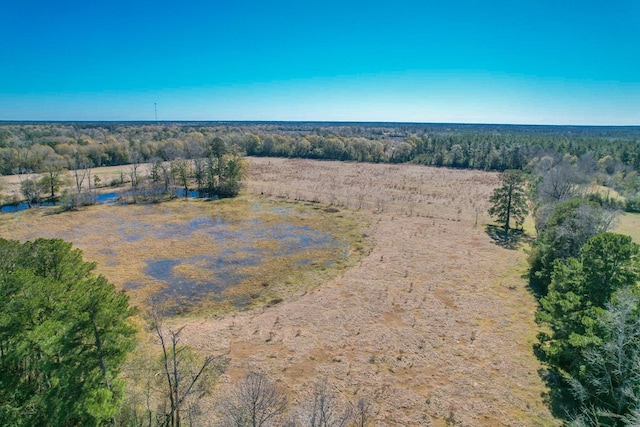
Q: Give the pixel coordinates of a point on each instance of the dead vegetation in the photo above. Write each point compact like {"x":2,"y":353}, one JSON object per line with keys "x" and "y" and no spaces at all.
{"x":455,"y":195}
{"x":434,"y":325}
{"x":197,"y":256}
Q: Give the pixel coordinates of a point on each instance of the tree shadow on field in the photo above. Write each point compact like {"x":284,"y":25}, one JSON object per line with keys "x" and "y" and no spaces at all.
{"x":510,"y":240}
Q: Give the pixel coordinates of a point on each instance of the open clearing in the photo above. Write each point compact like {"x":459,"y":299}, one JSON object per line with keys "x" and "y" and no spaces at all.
{"x":434,"y":322}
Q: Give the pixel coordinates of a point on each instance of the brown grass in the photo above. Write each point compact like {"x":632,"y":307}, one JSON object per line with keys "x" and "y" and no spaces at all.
{"x":122,"y":239}
{"x":455,"y":195}
{"x":629,"y":224}
{"x":434,"y":324}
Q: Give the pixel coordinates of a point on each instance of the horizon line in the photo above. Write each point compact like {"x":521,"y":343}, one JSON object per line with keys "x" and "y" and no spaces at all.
{"x":342,"y":122}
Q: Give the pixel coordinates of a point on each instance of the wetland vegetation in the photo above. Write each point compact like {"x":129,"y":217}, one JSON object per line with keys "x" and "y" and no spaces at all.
{"x":186,"y":255}
{"x":372,"y":284}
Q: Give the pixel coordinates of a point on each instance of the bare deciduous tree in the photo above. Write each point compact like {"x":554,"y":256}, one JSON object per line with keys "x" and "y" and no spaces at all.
{"x":362,"y":412}
{"x":558,"y":183}
{"x":135,"y":158}
{"x":258,"y":401}
{"x":185,"y":375}
{"x":324,"y":410}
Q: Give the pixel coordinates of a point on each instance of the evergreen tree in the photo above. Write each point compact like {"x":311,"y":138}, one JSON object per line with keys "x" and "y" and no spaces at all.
{"x":607,"y":387}
{"x":509,"y":201}
{"x":592,"y":315}
{"x":561,"y":236}
{"x":579,"y":292}
{"x":64,"y":333}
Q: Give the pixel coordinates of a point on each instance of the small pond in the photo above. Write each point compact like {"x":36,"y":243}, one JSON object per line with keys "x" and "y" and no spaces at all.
{"x":109,"y":197}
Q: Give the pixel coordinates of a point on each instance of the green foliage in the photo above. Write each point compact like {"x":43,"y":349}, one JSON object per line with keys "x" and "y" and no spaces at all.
{"x":231,"y":176}
{"x":578,"y":292}
{"x":52,"y":182}
{"x":509,"y":201}
{"x":561,"y":235}
{"x":223,"y":176}
{"x":591,"y":312}
{"x":610,"y":263}
{"x":216,"y":148}
{"x":32,"y":190}
{"x":64,"y":333}
{"x":485,"y":147}
{"x":633,"y":204}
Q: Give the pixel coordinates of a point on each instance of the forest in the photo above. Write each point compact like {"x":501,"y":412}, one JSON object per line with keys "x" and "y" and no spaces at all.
{"x":585,"y":278}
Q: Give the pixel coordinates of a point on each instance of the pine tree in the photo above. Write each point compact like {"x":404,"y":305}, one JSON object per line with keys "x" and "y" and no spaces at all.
{"x":509,"y":201}
{"x":64,"y":333}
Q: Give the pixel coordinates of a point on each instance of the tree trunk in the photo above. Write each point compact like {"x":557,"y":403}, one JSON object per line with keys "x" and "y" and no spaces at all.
{"x":506,"y":224}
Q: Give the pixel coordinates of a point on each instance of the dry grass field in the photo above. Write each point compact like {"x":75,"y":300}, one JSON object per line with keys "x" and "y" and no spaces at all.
{"x":431,"y":320}
{"x":629,"y":224}
{"x":435,"y":325}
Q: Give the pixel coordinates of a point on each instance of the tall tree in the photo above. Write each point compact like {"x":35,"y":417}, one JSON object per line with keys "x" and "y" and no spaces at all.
{"x":53,"y":174}
{"x":186,"y":375}
{"x":32,"y":190}
{"x":509,"y":201}
{"x":592,"y":314}
{"x":578,"y":293}
{"x":561,"y":236}
{"x":64,"y":334}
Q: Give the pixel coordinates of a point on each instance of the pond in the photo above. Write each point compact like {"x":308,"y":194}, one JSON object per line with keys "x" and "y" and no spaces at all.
{"x":17,"y":207}
{"x":109,"y":197}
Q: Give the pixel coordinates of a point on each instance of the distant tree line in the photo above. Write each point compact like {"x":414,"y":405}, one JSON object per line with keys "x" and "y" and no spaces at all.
{"x":30,"y":146}
{"x":207,"y":166}
{"x":609,"y":156}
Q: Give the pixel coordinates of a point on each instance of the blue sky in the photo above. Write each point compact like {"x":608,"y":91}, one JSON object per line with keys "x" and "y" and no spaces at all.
{"x":527,"y":61}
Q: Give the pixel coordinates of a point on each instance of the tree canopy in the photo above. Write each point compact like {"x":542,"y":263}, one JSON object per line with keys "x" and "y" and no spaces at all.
{"x":561,"y":236}
{"x":592,"y":315}
{"x":64,"y":333}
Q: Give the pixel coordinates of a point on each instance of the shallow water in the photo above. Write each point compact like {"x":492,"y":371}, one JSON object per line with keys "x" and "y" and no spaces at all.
{"x":181,"y":291}
{"x":21,"y":207}
{"x":249,"y":246}
{"x":110,"y":197}
{"x":107,"y":197}
{"x":205,"y":255}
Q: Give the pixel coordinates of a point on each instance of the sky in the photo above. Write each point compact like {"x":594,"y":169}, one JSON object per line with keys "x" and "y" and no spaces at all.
{"x":458,"y":61}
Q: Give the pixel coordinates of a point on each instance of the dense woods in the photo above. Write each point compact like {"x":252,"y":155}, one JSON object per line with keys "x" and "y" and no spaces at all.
{"x":609,"y":156}
{"x":488,"y":147}
{"x":586,"y":280}
{"x":64,"y":335}
{"x":40,"y":147}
